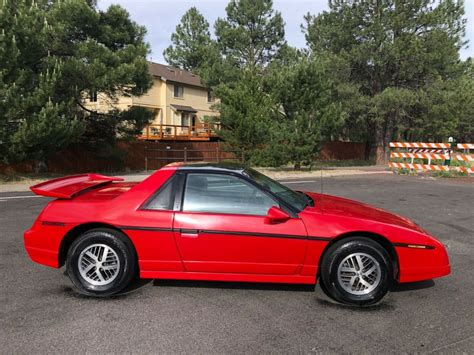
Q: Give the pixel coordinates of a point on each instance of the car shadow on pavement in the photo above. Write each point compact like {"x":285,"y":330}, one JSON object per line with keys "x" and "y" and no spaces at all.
{"x":234,"y":285}
{"x":134,"y":286}
{"x":412,"y":286}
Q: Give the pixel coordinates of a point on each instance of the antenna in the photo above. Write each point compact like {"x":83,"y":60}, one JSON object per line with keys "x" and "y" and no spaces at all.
{"x":321,"y":196}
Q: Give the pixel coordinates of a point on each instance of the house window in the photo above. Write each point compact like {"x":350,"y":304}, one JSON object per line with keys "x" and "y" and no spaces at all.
{"x":210,"y":96}
{"x":93,"y":96}
{"x":178,"y":91}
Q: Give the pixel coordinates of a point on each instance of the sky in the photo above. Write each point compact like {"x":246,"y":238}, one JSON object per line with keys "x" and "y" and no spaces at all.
{"x":160,"y":17}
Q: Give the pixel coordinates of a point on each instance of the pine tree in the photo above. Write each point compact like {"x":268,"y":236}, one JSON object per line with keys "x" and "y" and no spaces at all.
{"x":51,"y":54}
{"x":246,"y":113}
{"x":249,"y":39}
{"x":394,"y":51}
{"x":252,"y":33}
{"x":191,"y":42}
{"x":308,"y":114}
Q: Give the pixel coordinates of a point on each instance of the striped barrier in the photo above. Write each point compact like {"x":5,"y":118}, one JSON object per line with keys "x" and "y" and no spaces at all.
{"x":419,"y":145}
{"x":426,"y":150}
{"x":420,"y":155}
{"x":432,"y":151}
{"x":464,"y":169}
{"x":464,"y":157}
{"x":431,"y":167}
{"x":419,"y":166}
{"x":465,"y":145}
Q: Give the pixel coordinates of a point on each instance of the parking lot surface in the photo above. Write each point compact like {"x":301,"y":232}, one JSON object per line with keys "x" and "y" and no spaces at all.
{"x":40,"y":313}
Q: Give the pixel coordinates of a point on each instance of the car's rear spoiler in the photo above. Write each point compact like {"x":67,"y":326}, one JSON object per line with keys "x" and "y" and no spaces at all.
{"x":69,"y":186}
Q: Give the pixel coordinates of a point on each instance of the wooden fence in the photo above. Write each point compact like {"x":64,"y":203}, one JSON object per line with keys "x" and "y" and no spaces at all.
{"x":131,"y":156}
{"x":157,"y":157}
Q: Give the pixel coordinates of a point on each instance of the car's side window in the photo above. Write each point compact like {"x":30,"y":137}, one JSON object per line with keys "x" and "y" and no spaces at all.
{"x":219,"y":193}
{"x":163,"y":199}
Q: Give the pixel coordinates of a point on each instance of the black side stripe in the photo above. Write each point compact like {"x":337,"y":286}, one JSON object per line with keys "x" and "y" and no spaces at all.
{"x":268,"y":235}
{"x":322,"y":239}
{"x":49,"y":223}
{"x":151,"y":229}
{"x":243,"y":234}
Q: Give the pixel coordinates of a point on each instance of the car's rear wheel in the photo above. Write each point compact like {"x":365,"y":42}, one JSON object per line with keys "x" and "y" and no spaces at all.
{"x":356,"y":271}
{"x":101,"y":262}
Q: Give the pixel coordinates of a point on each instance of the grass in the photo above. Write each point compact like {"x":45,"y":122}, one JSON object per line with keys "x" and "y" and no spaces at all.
{"x":31,"y":177}
{"x":343,"y":163}
{"x":449,"y":174}
{"x":317,"y":165}
{"x":19,"y":178}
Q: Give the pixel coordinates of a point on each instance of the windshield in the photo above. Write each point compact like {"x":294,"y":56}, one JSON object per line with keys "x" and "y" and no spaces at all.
{"x":298,"y":200}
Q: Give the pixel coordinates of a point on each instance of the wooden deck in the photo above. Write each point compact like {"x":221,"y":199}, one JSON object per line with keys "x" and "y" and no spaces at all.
{"x":164,"y":132}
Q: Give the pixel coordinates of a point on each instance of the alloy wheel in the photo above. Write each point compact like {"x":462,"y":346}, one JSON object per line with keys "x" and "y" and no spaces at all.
{"x":359,"y":274}
{"x":99,"y":264}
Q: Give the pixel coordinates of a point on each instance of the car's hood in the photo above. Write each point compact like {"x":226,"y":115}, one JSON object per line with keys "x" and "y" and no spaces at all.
{"x":334,"y":205}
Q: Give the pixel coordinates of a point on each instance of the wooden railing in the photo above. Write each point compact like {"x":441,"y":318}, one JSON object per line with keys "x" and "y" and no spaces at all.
{"x":204,"y":132}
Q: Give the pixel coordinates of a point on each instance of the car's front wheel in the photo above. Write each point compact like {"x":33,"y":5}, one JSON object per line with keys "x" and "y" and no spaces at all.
{"x":101,"y":262}
{"x":356,"y":271}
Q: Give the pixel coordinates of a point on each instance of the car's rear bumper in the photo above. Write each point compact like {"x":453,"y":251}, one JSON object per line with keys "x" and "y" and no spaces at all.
{"x":422,"y":264}
{"x":43,"y":256}
{"x":42,"y":243}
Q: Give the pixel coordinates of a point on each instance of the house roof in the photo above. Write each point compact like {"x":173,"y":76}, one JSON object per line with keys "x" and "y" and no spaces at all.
{"x":183,"y":108}
{"x":174,"y":74}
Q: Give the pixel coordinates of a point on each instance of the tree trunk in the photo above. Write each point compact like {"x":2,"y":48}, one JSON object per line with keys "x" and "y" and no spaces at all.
{"x":383,"y":135}
{"x":367,"y":150}
{"x":40,"y":166}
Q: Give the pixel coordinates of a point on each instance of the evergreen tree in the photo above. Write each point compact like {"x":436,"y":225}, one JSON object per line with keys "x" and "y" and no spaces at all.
{"x":249,"y":39}
{"x":308,"y":115}
{"x":246,"y":113}
{"x":252,"y":33}
{"x":51,"y":54}
{"x":395,"y":50}
{"x":191,"y":42}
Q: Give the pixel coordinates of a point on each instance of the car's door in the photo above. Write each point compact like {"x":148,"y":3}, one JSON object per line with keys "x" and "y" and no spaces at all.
{"x":221,"y":227}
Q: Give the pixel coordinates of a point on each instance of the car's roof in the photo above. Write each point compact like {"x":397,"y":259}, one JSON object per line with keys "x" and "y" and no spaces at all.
{"x":224,"y":166}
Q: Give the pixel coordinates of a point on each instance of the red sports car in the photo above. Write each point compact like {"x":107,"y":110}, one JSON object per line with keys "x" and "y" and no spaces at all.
{"x":225,"y":222}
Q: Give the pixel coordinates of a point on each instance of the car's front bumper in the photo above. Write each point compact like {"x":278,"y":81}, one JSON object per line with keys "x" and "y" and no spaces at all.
{"x":422,"y":264}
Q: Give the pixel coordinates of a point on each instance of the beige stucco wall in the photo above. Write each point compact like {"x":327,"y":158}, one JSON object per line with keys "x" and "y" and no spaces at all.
{"x":152,"y":98}
{"x":159,"y":98}
{"x":104,"y":103}
{"x":193,"y":96}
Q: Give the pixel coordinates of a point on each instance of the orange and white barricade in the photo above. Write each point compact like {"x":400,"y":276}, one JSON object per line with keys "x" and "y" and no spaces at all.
{"x":432,"y":152}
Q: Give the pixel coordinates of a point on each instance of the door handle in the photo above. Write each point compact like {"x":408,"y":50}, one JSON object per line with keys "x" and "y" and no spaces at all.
{"x":189,"y":233}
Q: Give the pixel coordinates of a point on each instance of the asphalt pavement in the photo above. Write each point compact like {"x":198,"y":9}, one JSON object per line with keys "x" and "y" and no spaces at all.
{"x":40,"y":313}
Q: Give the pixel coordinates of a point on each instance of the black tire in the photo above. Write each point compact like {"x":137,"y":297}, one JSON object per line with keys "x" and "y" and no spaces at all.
{"x":335,"y":256}
{"x":124,"y":251}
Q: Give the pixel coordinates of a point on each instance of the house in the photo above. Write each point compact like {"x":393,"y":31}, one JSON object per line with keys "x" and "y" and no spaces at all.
{"x":181,"y":103}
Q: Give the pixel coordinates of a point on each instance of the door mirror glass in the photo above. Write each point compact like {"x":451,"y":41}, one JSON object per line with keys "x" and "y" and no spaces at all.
{"x":276,"y":215}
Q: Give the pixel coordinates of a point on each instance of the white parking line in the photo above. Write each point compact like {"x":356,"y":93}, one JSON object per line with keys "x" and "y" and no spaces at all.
{"x":297,"y":182}
{"x":16,"y":197}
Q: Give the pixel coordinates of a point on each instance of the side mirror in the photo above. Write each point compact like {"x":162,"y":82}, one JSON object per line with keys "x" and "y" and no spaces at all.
{"x":276,"y":215}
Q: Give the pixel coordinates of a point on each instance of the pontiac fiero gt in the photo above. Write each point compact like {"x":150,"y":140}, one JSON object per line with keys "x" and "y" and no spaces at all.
{"x":225,"y":222}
